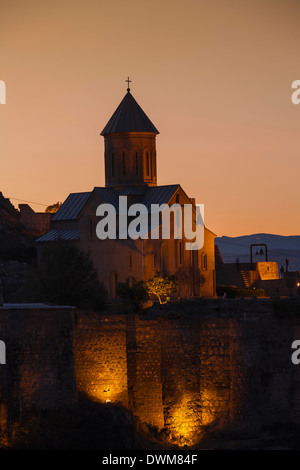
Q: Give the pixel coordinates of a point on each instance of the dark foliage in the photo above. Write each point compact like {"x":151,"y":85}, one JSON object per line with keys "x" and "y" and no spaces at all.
{"x":85,"y":425}
{"x":133,"y":293}
{"x":67,"y":276}
{"x":233,"y":292}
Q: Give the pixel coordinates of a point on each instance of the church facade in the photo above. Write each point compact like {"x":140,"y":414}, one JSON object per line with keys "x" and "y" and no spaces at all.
{"x":131,"y":170}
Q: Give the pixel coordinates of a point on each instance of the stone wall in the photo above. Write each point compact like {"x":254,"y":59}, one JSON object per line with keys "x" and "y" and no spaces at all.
{"x":228,"y":372}
{"x":39,"y":370}
{"x":101,"y":357}
{"x":223,"y":373}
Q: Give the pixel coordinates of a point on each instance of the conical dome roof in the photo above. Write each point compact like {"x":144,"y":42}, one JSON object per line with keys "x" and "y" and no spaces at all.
{"x":129,"y":117}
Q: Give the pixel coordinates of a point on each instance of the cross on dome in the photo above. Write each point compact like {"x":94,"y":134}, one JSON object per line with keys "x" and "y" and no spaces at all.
{"x":128,"y":81}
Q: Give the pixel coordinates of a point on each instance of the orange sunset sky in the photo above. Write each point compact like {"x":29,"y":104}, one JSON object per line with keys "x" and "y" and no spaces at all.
{"x":214,"y":76}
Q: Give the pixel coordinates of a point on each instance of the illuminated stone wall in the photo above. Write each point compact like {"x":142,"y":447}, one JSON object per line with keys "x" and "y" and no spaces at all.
{"x":180,"y":365}
{"x":101,"y":357}
{"x":215,"y":371}
{"x":184,"y":375}
{"x":230,"y":372}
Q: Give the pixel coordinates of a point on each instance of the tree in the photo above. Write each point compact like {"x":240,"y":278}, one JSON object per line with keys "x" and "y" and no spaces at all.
{"x":53,"y":208}
{"x":67,"y":276}
{"x":161,"y":286}
{"x":133,"y":293}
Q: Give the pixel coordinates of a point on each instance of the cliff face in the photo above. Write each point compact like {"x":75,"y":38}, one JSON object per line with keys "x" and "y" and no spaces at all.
{"x":17,"y":252}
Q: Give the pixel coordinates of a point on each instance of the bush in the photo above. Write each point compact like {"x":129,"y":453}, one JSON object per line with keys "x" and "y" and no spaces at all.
{"x":133,"y":293}
{"x":67,"y":276}
{"x":233,"y":292}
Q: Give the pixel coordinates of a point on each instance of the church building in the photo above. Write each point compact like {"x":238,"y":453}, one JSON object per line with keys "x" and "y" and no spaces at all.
{"x":130,"y":162}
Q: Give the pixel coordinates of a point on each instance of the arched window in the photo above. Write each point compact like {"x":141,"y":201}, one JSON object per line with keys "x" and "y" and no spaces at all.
{"x":147,"y":164}
{"x":204,"y":261}
{"x":91,"y":229}
{"x":136,"y":164}
{"x":123,"y":164}
{"x":164,"y":258}
{"x":180,"y":253}
{"x":112,"y":165}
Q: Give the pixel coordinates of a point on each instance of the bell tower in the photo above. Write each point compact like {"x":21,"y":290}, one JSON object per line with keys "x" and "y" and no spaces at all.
{"x":130,"y":147}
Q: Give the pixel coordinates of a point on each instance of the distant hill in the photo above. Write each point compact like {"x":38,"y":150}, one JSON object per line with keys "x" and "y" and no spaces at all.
{"x":279,"y":248}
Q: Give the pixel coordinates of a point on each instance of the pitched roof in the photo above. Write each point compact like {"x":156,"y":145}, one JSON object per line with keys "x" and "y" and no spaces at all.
{"x":108,"y":195}
{"x":61,"y":234}
{"x":75,"y":202}
{"x":71,"y":207}
{"x":159,"y":194}
{"x":129,"y":117}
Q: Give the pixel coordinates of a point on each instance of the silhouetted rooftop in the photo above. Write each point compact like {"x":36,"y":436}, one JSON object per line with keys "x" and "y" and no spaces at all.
{"x":129,"y":117}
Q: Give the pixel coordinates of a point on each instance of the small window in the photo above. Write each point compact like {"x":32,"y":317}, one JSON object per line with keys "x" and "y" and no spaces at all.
{"x":124,"y":164}
{"x":130,"y":261}
{"x":91,"y":229}
{"x":136,"y":164}
{"x":112,"y":165}
{"x":155,"y":261}
{"x":147,"y":164}
{"x":204,"y":261}
{"x":180,"y":257}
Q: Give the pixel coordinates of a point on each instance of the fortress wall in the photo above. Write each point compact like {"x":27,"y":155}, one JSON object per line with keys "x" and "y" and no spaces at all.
{"x":261,"y":373}
{"x":39,"y":370}
{"x":144,"y":370}
{"x":182,"y":374}
{"x":215,"y":376}
{"x":180,"y":370}
{"x":100,"y":357}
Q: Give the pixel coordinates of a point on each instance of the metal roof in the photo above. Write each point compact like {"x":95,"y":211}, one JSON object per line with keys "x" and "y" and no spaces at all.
{"x":156,"y":195}
{"x":159,"y":194}
{"x":108,"y":195}
{"x":75,"y":202}
{"x":129,"y":117}
{"x":61,"y":234}
{"x":71,"y":207}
